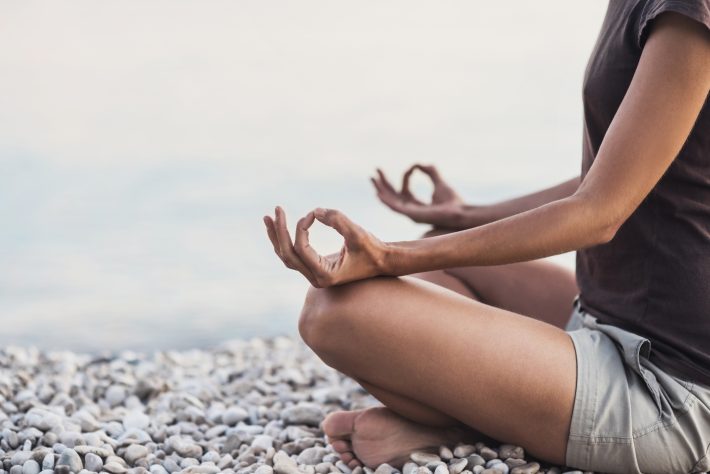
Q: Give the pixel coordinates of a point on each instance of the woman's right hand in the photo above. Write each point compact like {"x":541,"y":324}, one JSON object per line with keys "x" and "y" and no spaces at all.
{"x":446,"y":209}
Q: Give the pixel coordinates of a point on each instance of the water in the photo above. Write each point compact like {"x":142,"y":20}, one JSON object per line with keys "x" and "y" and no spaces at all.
{"x":140,"y":145}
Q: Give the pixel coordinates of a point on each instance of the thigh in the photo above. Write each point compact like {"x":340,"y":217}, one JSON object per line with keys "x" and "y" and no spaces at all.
{"x":507,"y":375}
{"x":540,"y":289}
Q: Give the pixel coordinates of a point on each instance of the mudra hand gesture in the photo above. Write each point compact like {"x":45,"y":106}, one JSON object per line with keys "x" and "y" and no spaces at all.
{"x":445,"y":209}
{"x":362,"y":255}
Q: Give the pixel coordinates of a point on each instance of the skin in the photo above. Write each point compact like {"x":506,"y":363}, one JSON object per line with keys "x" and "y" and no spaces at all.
{"x":473,"y":345}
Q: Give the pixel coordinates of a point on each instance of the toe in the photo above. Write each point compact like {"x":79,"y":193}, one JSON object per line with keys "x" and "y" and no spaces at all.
{"x":340,"y":424}
{"x":341,"y":445}
{"x":347,"y":457}
{"x":353,"y":463}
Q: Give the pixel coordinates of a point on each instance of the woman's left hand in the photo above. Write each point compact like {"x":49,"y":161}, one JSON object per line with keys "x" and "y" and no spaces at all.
{"x":362,"y":255}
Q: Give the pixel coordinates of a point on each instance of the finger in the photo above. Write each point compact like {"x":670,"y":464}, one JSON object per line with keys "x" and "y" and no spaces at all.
{"x":390,"y":199}
{"x":406,"y":193}
{"x":431,"y":171}
{"x":303,"y":248}
{"x":288,"y":254}
{"x":337,"y":220}
{"x":271,"y":232}
{"x":385,"y":182}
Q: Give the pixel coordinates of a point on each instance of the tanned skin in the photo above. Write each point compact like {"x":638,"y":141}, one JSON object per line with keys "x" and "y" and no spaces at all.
{"x":449,"y":360}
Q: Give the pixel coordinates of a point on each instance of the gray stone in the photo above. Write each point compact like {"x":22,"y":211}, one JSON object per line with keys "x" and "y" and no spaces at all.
{"x":303,"y":414}
{"x":99,"y":451}
{"x":529,"y":468}
{"x":93,"y":463}
{"x":234,"y":415}
{"x":487,"y":453}
{"x":409,"y":467}
{"x":464,"y":450}
{"x":342,"y":467}
{"x":506,"y":451}
{"x":70,"y":458}
{"x":313,"y":455}
{"x":474,"y":460}
{"x":445,"y":453}
{"x":48,"y":461}
{"x":441,"y":469}
{"x":384,"y":469}
{"x":184,"y":447}
{"x":456,"y":466}
{"x":157,"y":469}
{"x":136,"y":420}
{"x":115,"y":395}
{"x":114,"y":467}
{"x":30,"y":467}
{"x":135,"y":452}
{"x":422,"y":470}
{"x":421,"y":457}
{"x":262,"y":443}
{"x":264,"y":469}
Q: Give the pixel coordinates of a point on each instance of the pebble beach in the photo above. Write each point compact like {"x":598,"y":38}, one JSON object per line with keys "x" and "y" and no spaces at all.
{"x":245,"y":406}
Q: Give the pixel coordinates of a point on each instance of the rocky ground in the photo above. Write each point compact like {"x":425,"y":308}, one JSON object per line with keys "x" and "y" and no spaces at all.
{"x":244,"y":407}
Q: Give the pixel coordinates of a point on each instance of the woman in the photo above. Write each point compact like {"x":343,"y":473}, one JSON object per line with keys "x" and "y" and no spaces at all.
{"x":478,"y":340}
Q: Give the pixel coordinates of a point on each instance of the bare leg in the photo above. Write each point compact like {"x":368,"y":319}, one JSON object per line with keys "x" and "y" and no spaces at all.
{"x":539,"y":289}
{"x":509,"y":376}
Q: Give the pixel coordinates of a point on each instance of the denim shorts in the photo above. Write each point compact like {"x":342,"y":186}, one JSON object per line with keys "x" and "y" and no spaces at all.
{"x":629,"y":415}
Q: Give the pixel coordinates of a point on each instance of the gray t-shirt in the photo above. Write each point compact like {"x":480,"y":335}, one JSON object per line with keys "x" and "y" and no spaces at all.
{"x":653,"y":278}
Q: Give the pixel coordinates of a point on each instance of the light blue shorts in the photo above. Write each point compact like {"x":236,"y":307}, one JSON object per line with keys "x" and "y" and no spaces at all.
{"x":629,"y":415}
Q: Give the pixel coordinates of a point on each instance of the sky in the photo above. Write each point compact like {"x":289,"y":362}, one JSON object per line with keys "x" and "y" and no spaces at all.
{"x":141,"y":142}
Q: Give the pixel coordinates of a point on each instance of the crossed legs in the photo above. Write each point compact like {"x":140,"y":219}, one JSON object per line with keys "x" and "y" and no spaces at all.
{"x":447,"y":366}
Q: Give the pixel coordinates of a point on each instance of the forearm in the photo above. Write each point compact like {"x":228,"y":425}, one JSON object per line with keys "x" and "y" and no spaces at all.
{"x":474,"y":216}
{"x":557,"y":227}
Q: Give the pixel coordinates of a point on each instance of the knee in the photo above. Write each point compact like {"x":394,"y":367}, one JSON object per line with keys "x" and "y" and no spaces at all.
{"x":316,"y":315}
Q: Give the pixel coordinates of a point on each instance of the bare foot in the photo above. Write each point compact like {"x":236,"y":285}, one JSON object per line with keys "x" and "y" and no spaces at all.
{"x":378,"y":435}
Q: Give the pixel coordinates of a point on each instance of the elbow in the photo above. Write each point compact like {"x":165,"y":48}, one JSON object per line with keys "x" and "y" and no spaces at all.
{"x":600,"y":222}
{"x":606,"y":233}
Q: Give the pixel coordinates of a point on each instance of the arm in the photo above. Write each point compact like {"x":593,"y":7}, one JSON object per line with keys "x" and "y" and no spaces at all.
{"x":669,"y":88}
{"x":474,"y":216}
{"x":666,"y":94}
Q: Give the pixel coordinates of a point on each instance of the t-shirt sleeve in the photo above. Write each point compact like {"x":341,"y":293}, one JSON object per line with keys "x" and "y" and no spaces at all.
{"x":698,"y":10}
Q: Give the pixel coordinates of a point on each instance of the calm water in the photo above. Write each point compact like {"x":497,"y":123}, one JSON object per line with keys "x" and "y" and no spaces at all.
{"x":140,"y":144}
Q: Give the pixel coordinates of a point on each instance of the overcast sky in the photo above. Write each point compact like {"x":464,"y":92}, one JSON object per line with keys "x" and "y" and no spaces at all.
{"x":140,"y":142}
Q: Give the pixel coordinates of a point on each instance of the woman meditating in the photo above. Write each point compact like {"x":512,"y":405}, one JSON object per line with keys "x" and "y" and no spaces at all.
{"x":467,"y":333}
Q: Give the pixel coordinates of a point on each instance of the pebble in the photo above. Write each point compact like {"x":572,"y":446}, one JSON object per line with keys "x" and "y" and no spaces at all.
{"x":457,"y":466}
{"x":30,"y":467}
{"x":475,"y":460}
{"x":242,"y":407}
{"x":115,"y":394}
{"x":48,"y":461}
{"x":422,"y":458}
{"x":234,"y":415}
{"x":70,"y":458}
{"x":343,"y":467}
{"x":529,"y":468}
{"x":93,"y":463}
{"x":446,"y":454}
{"x":303,"y":414}
{"x":313,"y":455}
{"x":384,"y":469}
{"x":464,"y":450}
{"x":506,"y":451}
{"x":135,"y":452}
{"x":487,"y":453}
